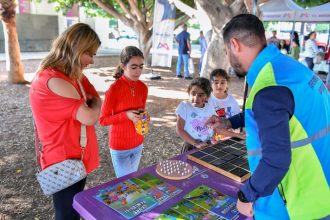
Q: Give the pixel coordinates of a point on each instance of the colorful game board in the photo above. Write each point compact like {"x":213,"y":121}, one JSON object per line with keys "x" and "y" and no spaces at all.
{"x":136,"y":195}
{"x":203,"y":203}
{"x":227,"y":157}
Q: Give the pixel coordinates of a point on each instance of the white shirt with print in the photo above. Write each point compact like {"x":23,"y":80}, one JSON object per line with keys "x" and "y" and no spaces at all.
{"x":195,"y":119}
{"x":226,"y":107}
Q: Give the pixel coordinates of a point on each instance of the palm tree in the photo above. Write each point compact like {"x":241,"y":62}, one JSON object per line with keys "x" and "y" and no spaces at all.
{"x":14,"y":64}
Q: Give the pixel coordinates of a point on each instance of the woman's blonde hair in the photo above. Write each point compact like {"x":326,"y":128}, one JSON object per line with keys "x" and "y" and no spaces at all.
{"x":67,"y":49}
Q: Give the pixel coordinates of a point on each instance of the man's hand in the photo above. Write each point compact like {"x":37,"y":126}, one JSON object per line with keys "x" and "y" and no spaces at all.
{"x":245,"y":208}
{"x":215,"y":122}
{"x":221,"y":126}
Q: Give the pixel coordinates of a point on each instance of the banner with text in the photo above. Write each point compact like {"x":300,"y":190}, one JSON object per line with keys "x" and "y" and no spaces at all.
{"x":163,"y":29}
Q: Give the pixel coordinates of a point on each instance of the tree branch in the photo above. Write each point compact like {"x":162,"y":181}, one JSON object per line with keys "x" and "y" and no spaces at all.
{"x":128,"y":12}
{"x":238,"y":7}
{"x":191,"y":12}
{"x":111,"y":10}
{"x":181,"y":21}
{"x":137,"y":11}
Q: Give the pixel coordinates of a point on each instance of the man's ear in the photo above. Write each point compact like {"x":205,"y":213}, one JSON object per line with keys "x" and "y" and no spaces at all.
{"x":235,"y":44}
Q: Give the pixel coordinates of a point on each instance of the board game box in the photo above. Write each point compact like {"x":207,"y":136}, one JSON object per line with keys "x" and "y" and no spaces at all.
{"x":228,"y":158}
{"x":137,"y":195}
{"x":203,"y":203}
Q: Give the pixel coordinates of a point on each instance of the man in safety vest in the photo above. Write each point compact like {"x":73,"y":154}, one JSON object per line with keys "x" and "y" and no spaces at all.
{"x":287,"y":121}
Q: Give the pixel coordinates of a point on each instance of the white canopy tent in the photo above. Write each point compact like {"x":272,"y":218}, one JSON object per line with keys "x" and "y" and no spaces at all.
{"x":315,"y":14}
{"x":287,"y":10}
{"x":279,"y":10}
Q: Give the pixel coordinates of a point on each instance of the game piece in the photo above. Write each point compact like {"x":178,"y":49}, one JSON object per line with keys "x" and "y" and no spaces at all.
{"x":228,"y":157}
{"x":174,"y":169}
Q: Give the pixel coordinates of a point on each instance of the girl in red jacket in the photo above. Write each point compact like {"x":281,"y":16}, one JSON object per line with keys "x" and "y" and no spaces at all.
{"x":125,"y":98}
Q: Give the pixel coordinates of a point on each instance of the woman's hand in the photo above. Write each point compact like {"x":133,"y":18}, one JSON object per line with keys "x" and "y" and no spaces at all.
{"x":133,"y":115}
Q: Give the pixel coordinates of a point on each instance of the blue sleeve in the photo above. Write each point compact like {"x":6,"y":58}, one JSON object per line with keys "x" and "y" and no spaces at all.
{"x":237,"y":121}
{"x":272,"y":108}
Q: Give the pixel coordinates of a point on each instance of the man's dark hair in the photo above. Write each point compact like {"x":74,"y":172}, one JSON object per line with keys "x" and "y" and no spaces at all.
{"x":246,"y":28}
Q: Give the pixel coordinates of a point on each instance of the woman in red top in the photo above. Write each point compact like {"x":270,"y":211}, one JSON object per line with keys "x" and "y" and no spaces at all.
{"x":123,"y":101}
{"x":59,"y":109}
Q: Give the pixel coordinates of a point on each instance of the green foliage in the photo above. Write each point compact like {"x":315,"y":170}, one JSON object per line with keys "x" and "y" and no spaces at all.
{"x":322,"y":28}
{"x":310,"y":3}
{"x":92,"y":10}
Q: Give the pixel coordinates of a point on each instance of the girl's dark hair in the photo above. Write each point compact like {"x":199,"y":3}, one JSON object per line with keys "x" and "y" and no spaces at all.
{"x":202,"y":83}
{"x":219,"y":72}
{"x":295,"y":37}
{"x":125,"y":56}
{"x":311,"y":33}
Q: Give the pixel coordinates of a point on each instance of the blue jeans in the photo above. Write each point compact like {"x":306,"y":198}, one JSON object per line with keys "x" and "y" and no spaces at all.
{"x":310,"y":62}
{"x":184,"y":58}
{"x":201,"y":62}
{"x":126,"y":161}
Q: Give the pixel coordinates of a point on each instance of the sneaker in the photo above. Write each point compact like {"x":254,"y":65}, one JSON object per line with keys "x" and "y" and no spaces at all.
{"x":179,"y":76}
{"x":188,"y":78}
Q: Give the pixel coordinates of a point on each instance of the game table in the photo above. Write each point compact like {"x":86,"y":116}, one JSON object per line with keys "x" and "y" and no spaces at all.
{"x":89,"y":208}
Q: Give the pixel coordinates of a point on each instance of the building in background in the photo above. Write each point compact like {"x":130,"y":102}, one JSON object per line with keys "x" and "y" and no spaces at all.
{"x":38,"y":24}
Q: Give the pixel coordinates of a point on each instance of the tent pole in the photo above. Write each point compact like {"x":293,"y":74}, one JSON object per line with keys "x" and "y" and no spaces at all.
{"x":328,"y":38}
{"x":302,"y":36}
{"x":254,"y":8}
{"x":292,"y":31}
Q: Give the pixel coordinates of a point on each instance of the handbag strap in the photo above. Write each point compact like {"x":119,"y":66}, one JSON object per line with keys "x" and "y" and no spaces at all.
{"x":83,"y":135}
{"x":37,"y":147}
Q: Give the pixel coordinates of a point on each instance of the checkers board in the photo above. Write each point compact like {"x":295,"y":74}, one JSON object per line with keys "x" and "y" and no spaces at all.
{"x":227,"y":157}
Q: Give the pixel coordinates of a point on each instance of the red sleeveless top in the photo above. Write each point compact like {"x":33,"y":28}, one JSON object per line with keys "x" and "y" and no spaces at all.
{"x":55,"y":119}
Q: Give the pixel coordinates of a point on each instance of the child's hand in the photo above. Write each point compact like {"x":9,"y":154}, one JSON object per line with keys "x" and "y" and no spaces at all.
{"x":133,"y":115}
{"x":213,"y":140}
{"x":200,"y":144}
{"x":141,"y":110}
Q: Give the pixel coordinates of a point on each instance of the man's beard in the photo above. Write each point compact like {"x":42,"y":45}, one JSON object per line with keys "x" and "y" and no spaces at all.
{"x":237,"y":66}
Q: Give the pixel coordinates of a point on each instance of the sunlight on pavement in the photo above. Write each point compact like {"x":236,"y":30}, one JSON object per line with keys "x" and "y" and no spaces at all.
{"x":168,"y":94}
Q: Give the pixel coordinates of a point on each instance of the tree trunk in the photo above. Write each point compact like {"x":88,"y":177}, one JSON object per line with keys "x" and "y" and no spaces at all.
{"x":219,"y":15}
{"x":14,"y":64}
{"x":145,"y":41}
